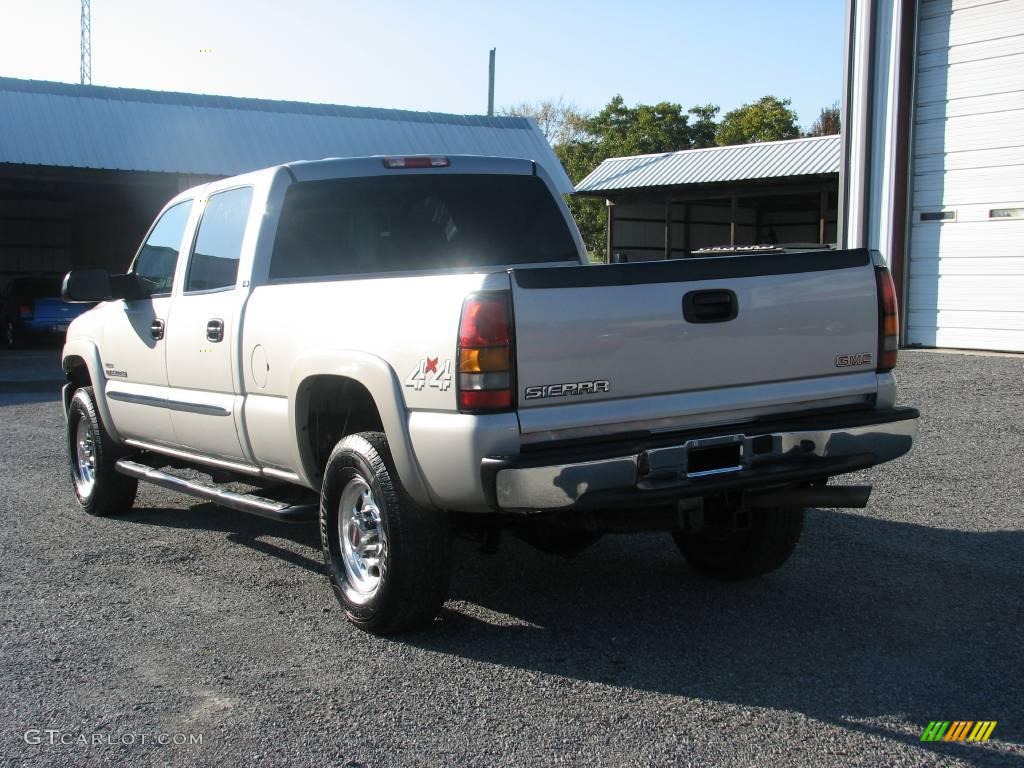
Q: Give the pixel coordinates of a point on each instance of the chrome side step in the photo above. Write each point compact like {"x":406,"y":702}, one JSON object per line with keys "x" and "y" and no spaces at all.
{"x":254,"y":505}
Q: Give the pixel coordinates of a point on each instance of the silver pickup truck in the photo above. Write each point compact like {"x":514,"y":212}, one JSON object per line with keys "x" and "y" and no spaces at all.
{"x":411,"y":348}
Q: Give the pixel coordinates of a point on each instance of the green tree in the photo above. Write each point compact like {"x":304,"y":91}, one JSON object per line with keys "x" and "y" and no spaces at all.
{"x":767,"y":119}
{"x":566,"y":129}
{"x":827,"y":123}
{"x":560,"y":121}
{"x":582,"y":141}
{"x":619,"y":130}
{"x":703,"y":127}
{"x":579,"y":158}
{"x":641,"y":130}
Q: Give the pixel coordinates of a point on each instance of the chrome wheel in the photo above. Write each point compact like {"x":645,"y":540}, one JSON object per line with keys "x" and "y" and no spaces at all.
{"x":364,"y":545}
{"x":85,"y":457}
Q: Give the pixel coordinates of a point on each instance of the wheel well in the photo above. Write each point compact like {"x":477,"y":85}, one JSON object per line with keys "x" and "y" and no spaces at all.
{"x":77,"y":372}
{"x":335,"y":406}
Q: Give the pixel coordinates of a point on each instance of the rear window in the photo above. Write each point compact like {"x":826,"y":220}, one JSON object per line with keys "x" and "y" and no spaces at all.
{"x":435,"y":221}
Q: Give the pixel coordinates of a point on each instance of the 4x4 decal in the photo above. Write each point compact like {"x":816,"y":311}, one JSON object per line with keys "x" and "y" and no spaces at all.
{"x":431,"y":372}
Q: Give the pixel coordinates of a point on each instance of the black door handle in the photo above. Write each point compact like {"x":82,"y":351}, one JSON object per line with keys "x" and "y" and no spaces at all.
{"x":715,"y":306}
{"x":215,"y":330}
{"x":156,"y":329}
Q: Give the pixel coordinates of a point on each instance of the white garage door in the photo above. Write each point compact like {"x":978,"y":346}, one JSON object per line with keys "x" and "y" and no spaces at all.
{"x":967,"y":232}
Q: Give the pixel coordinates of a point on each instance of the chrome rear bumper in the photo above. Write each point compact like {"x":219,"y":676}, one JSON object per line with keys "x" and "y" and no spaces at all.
{"x":746,"y":458}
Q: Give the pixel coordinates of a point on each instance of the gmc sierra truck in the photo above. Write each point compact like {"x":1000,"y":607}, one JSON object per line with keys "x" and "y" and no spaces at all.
{"x":411,"y":348}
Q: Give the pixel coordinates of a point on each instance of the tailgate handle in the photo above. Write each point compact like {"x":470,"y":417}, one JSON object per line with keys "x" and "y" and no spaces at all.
{"x":716,"y":306}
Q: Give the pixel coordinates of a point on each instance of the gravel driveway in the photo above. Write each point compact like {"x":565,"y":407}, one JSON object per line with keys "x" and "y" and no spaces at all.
{"x":187,"y":619}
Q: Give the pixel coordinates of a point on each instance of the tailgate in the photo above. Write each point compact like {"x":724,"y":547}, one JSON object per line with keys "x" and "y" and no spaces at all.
{"x":714,"y":329}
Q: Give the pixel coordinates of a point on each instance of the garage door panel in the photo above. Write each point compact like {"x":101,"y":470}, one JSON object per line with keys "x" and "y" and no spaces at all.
{"x":944,"y":190}
{"x":974,"y":105}
{"x":961,"y":54}
{"x":971,"y":25}
{"x":993,"y":339}
{"x":979,"y":158}
{"x":966,"y":276}
{"x":963,"y":134}
{"x":967,"y":239}
{"x":932,"y":8}
{"x":974,"y":78}
{"x":981,"y":265}
{"x":966,"y":320}
{"x":967,"y":292}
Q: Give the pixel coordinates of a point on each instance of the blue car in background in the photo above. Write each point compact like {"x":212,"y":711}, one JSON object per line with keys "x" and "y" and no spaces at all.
{"x":31,"y":310}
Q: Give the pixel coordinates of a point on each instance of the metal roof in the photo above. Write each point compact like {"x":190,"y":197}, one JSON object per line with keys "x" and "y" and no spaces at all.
{"x":90,"y":126}
{"x":767,"y":160}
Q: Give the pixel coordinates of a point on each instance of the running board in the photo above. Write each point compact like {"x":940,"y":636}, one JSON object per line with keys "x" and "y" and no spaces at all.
{"x":254,"y":505}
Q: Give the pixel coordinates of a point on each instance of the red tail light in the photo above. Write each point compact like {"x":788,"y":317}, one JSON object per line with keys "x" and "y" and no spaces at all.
{"x":485,"y":354}
{"x":418,"y":161}
{"x":888,"y":320}
{"x":25,"y":310}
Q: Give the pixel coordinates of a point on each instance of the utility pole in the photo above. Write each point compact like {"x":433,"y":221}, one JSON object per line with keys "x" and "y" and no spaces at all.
{"x":491,"y":84}
{"x":85,"y":68}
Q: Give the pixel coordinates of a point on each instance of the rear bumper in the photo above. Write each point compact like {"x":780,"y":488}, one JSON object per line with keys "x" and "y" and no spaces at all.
{"x":658,"y":469}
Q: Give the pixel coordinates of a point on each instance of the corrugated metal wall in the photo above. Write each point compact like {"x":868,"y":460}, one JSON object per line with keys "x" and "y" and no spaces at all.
{"x":88,"y":126}
{"x":764,"y":160}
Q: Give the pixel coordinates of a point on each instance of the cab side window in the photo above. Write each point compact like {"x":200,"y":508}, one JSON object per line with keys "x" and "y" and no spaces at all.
{"x":218,"y":247}
{"x":155,"y":264}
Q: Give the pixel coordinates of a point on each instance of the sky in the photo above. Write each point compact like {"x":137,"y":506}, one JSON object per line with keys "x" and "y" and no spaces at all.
{"x":432,"y":55}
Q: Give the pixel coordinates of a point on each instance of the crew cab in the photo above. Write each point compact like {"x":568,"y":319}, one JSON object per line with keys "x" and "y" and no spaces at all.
{"x":410,"y":348}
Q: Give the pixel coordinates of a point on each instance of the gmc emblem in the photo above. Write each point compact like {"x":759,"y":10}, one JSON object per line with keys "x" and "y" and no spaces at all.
{"x":847,"y":361}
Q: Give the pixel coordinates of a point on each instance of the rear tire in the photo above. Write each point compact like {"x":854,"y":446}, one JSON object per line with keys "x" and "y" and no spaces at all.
{"x":744,"y":554}
{"x":101,"y":490}
{"x":388,"y":559}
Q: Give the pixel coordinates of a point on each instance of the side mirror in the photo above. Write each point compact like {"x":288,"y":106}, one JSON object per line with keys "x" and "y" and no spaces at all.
{"x":620,"y":258}
{"x":86,"y":285}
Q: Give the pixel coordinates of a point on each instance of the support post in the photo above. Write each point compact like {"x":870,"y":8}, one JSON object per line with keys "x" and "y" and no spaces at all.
{"x":490,"y":85}
{"x":668,"y":228}
{"x":686,"y":230}
{"x":733,"y":206}
{"x":822,"y":214}
{"x":609,"y":230}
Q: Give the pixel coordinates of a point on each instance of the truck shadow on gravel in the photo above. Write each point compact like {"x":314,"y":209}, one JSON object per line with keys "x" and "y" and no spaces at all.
{"x":241,"y":529}
{"x":869,"y":620}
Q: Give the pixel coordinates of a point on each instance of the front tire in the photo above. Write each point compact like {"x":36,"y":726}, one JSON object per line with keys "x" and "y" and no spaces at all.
{"x":101,"y":490}
{"x":733,"y":555}
{"x":388,"y":559}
